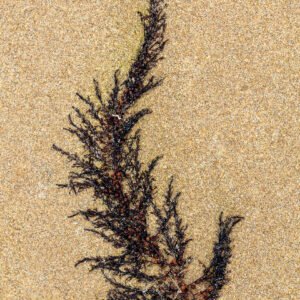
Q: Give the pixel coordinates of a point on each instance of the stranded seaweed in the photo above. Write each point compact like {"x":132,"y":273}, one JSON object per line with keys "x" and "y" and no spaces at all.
{"x":150,"y":264}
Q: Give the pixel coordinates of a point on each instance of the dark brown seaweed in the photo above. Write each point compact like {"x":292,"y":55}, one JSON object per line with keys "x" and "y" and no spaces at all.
{"x":150,"y":264}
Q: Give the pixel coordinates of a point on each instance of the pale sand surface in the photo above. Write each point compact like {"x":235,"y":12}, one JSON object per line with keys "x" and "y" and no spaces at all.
{"x":226,"y":120}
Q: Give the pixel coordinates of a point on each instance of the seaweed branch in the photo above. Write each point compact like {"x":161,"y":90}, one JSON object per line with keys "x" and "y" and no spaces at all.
{"x":151,"y":264}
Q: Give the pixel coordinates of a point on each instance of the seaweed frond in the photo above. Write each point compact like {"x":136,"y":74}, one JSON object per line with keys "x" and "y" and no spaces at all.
{"x":150,"y":264}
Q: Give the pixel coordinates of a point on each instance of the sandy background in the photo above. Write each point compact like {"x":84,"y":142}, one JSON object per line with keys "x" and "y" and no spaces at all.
{"x":226,"y":119}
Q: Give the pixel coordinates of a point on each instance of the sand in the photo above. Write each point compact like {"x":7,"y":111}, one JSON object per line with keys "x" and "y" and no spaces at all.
{"x":226,"y":120}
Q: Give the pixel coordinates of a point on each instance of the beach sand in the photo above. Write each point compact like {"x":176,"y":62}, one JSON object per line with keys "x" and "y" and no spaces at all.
{"x":226,"y":119}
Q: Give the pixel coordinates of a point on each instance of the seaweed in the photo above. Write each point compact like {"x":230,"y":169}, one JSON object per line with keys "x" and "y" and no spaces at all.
{"x":151,"y":263}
